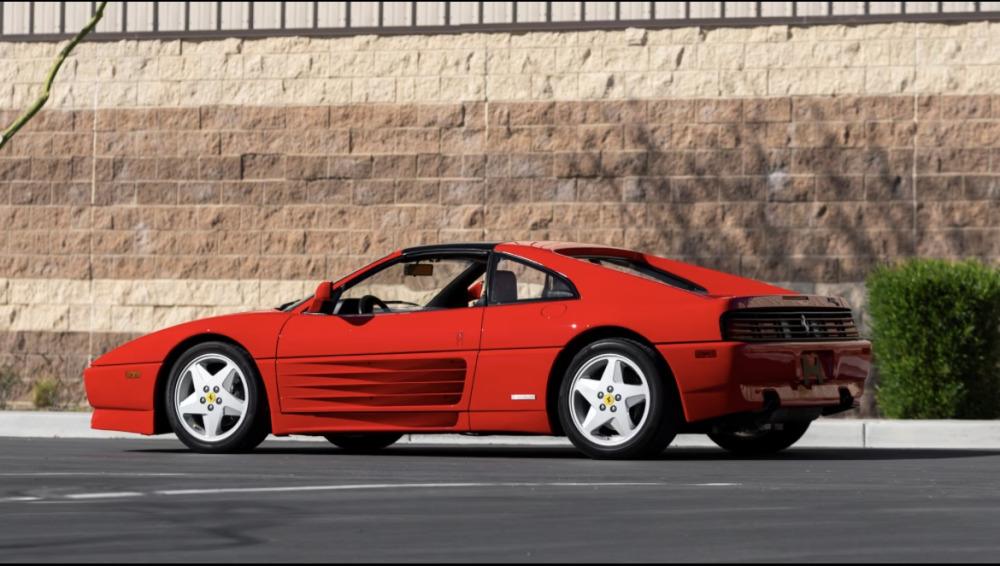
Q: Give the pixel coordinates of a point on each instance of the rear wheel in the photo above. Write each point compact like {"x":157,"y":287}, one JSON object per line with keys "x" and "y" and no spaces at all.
{"x":614,"y":401}
{"x":365,"y":441}
{"x":214,"y":399}
{"x":760,"y":441}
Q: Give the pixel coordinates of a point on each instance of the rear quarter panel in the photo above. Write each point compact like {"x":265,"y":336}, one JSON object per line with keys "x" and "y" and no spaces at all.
{"x":658,"y":312}
{"x":521,"y":341}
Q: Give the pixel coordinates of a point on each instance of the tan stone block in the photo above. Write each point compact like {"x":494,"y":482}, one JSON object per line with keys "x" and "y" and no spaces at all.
{"x":15,"y":169}
{"x":33,"y":292}
{"x":717,"y":56}
{"x":671,"y":57}
{"x":465,"y":217}
{"x":39,"y":317}
{"x":622,"y":59}
{"x":373,"y":90}
{"x":278,"y":291}
{"x":510,"y":139}
{"x":520,"y":216}
{"x":599,"y":190}
{"x":263,"y":166}
{"x":531,"y":165}
{"x":508,"y":87}
{"x":891,"y":80}
{"x":131,"y":319}
{"x":416,"y":191}
{"x":602,"y":137}
{"x":954,"y":214}
{"x":598,"y":85}
{"x":939,"y":79}
{"x":555,"y":87}
{"x":506,"y":190}
{"x":769,"y":55}
{"x":223,"y":46}
{"x":368,"y":192}
{"x":694,"y":84}
{"x":743,"y":83}
{"x":537,"y":39}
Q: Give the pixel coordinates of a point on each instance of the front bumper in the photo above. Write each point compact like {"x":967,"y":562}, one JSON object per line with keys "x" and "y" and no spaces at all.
{"x":122,"y":397}
{"x":727,"y":378}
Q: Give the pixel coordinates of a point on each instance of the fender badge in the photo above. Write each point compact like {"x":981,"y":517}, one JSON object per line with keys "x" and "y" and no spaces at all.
{"x":522,"y":397}
{"x":133,"y":374}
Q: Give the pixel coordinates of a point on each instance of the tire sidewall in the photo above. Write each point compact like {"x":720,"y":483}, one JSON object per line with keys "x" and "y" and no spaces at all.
{"x":767,"y":443}
{"x":252,"y":422}
{"x":659,"y":406}
{"x":363,"y":442}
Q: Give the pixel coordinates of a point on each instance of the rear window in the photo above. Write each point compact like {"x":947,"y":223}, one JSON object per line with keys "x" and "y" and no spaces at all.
{"x":644,"y":270}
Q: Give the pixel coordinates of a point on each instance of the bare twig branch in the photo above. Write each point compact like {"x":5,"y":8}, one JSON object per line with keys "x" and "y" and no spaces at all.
{"x":44,"y":97}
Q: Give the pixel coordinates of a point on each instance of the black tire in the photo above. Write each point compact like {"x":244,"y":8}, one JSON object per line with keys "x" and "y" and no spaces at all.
{"x":663,"y":418}
{"x":760,"y":442}
{"x":362,"y":442}
{"x":257,"y":423}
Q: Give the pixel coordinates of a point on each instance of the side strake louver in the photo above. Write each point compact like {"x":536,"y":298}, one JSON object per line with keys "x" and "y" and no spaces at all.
{"x":784,"y":325}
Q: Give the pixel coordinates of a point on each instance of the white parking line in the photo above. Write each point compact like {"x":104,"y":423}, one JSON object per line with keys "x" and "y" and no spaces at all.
{"x":18,"y":499}
{"x":373,"y":486}
{"x":91,"y":475}
{"x":106,"y":495}
{"x":346,"y":487}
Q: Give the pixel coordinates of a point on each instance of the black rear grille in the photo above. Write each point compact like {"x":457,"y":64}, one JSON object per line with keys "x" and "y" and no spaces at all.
{"x":777,"y":325}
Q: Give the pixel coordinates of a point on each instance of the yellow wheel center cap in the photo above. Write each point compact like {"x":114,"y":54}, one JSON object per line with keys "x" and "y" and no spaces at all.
{"x":609,"y":400}
{"x":210,"y":397}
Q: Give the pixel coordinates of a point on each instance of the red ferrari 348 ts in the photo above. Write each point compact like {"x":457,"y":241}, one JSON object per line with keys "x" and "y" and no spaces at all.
{"x":618,"y":350}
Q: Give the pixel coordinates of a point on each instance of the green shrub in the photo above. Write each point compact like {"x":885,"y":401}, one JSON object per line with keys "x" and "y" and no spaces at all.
{"x":8,"y":383}
{"x":47,"y":393}
{"x":936,"y":337}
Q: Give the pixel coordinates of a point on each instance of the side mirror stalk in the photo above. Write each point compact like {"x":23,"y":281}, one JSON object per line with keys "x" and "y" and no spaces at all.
{"x":324,"y":299}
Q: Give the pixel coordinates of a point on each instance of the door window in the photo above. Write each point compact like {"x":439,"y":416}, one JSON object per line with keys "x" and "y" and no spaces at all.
{"x":418,"y":284}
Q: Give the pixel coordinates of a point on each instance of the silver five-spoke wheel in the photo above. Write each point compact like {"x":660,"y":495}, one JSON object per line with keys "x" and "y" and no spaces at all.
{"x":609,"y":400}
{"x":616,"y":400}
{"x":211,"y":397}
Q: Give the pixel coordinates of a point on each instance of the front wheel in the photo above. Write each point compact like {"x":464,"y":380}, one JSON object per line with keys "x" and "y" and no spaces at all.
{"x":214,"y":399}
{"x":760,"y":441}
{"x":363,"y":442}
{"x":615,"y":403}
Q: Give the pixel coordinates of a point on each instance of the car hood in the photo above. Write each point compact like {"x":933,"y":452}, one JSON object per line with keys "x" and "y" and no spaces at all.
{"x":256,"y":332}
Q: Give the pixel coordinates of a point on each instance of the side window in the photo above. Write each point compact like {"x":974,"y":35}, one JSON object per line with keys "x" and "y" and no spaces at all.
{"x":421,"y":284}
{"x":515,"y":281}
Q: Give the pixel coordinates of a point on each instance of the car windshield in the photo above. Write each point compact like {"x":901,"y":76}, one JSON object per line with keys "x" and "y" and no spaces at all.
{"x":289,"y":306}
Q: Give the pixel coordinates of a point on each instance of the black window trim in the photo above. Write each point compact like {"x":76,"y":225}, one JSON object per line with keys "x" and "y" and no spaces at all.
{"x":496,"y":257}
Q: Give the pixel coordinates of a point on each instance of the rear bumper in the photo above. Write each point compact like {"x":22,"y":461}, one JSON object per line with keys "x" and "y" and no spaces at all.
{"x":725,"y":378}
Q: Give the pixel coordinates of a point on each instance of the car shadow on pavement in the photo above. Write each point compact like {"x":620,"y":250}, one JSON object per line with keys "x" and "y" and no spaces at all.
{"x":560,"y":452}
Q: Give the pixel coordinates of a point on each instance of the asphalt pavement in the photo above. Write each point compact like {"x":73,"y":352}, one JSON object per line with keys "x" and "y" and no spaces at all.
{"x":151,"y":500}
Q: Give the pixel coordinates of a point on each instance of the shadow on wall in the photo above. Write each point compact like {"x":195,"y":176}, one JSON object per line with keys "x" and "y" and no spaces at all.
{"x":815,"y":191}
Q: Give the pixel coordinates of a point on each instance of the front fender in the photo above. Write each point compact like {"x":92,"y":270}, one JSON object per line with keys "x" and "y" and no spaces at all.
{"x":257,"y":332}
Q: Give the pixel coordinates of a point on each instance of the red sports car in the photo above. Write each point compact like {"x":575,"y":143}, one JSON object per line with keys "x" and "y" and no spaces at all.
{"x":618,"y":350}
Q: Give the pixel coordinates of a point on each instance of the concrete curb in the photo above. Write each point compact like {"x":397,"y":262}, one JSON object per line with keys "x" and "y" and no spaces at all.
{"x":825,"y":433}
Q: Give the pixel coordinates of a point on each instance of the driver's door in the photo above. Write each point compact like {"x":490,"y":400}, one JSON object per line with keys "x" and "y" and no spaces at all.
{"x":409,"y":368}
